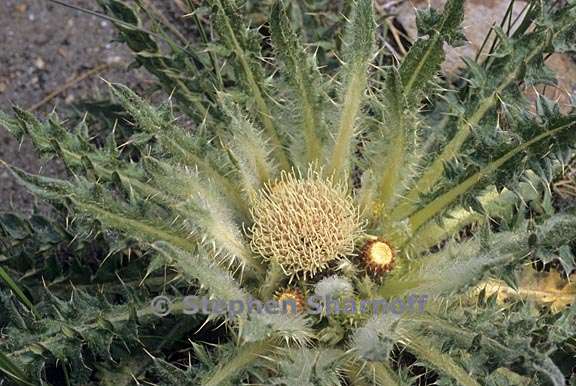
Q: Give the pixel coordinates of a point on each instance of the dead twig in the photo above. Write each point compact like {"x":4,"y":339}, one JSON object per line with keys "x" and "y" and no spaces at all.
{"x":93,"y":71}
{"x":565,"y":187}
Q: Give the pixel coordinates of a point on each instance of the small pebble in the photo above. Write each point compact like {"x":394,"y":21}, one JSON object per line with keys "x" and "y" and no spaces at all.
{"x":21,"y":8}
{"x":62,"y":52}
{"x":114,"y":60}
{"x":39,"y":63}
{"x":3,"y":87}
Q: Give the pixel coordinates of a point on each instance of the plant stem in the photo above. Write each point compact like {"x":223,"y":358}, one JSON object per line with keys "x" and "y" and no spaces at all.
{"x":379,"y":374}
{"x":244,"y":356}
{"x":273,"y":280}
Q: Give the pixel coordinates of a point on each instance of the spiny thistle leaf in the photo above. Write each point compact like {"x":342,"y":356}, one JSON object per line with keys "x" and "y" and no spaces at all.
{"x":304,"y":77}
{"x":359,"y":42}
{"x":505,"y":72}
{"x":249,"y":151}
{"x":394,"y":144}
{"x":340,"y":184}
{"x":423,"y":60}
{"x":237,"y":38}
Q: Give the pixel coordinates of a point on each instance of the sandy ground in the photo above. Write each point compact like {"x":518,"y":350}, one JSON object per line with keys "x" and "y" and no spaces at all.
{"x":44,"y":46}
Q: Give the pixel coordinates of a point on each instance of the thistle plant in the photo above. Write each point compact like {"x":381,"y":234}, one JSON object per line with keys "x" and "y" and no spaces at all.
{"x":375,"y":181}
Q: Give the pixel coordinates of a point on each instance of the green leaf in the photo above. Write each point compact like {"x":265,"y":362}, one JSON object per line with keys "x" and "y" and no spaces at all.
{"x":423,"y":60}
{"x":359,"y":42}
{"x":207,"y":212}
{"x":428,"y":352}
{"x":147,"y":230}
{"x":12,"y":371}
{"x":249,"y":150}
{"x":494,"y":205}
{"x":423,"y":215}
{"x":243,"y":357}
{"x":364,"y":373}
{"x":17,"y":291}
{"x":304,"y":77}
{"x":394,"y":144}
{"x":195,"y":265}
{"x":188,"y":80}
{"x":456,"y":266}
{"x":510,"y":69}
{"x":233,"y":32}
{"x":14,"y":226}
